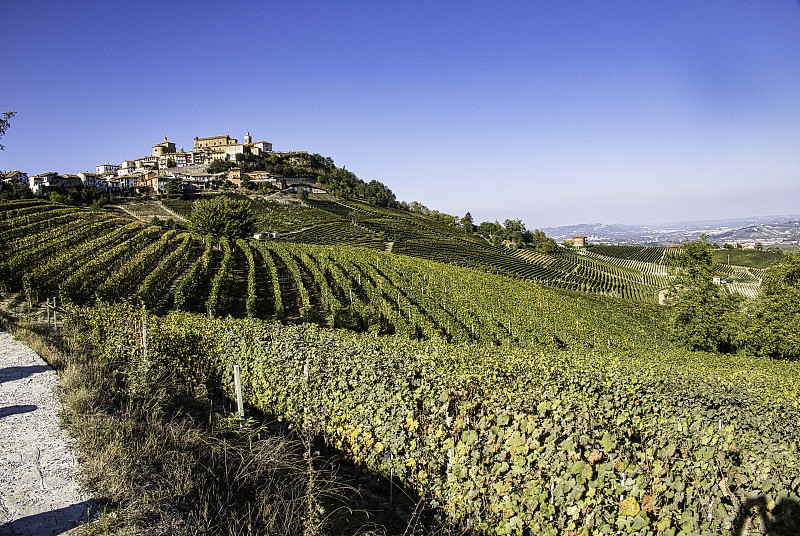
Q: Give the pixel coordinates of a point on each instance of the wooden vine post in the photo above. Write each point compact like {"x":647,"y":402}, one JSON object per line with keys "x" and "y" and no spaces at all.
{"x":237,"y":385}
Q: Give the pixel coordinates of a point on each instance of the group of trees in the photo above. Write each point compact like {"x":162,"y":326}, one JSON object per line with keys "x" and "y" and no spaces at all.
{"x":514,"y":231}
{"x":15,"y":191}
{"x":772,"y":321}
{"x":510,"y":230}
{"x":703,"y":315}
{"x":338,"y":181}
{"x":415,"y":207}
{"x":81,"y":196}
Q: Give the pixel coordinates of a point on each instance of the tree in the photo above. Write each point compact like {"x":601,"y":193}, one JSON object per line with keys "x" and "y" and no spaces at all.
{"x":174,"y":188}
{"x":697,"y":255}
{"x":772,"y":320}
{"x":5,"y":122}
{"x":222,"y":216}
{"x":542,"y":243}
{"x":702,"y":314}
{"x":220,"y":166}
{"x":467,"y":223}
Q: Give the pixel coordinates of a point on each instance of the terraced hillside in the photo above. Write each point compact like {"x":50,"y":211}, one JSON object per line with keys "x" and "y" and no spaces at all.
{"x":83,"y":256}
{"x":654,"y":264}
{"x":629,"y":272}
{"x":337,"y":222}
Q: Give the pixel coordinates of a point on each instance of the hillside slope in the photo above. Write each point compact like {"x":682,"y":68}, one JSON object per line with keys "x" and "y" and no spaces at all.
{"x":83,"y":256}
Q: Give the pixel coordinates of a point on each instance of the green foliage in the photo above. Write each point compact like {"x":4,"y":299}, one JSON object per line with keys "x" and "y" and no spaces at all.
{"x":81,"y":196}
{"x":696,"y":256}
{"x":772,"y":321}
{"x":515,"y":442}
{"x":541,"y":242}
{"x":220,"y":166}
{"x":467,"y":224}
{"x":247,"y":183}
{"x":222,"y":216}
{"x":5,"y":123}
{"x":703,"y":315}
{"x":15,"y":191}
{"x":174,"y":188}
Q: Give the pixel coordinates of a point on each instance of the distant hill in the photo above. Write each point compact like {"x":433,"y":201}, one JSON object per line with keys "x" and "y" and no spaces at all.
{"x":769,"y":230}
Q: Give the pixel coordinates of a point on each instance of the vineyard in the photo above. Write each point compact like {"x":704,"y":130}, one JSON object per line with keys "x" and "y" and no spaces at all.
{"x":509,"y":406}
{"x":387,"y":274}
{"x":83,"y":256}
{"x":514,"y":441}
{"x":631,"y":272}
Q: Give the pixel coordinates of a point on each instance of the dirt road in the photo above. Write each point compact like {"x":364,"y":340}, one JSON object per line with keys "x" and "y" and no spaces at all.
{"x":39,"y":489}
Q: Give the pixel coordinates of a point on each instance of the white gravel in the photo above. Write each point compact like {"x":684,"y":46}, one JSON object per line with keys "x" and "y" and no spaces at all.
{"x":39,"y":485}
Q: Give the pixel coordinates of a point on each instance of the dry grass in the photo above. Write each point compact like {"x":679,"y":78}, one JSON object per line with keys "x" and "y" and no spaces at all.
{"x":163,"y":464}
{"x":168,"y":461}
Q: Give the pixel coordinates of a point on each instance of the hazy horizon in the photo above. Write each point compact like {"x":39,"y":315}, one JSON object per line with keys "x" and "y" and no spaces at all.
{"x":553,"y":112}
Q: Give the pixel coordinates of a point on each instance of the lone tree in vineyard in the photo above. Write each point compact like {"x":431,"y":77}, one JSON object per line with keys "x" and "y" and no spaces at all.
{"x":222,"y":216}
{"x":703,"y":315}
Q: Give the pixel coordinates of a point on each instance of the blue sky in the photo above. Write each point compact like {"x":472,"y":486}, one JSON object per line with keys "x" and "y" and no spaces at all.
{"x":553,"y":112}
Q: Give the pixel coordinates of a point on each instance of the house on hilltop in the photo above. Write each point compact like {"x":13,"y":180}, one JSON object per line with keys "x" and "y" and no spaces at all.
{"x":226,"y":148}
{"x":163,"y":148}
{"x":15,"y":177}
{"x":102,"y":169}
{"x":39,"y":184}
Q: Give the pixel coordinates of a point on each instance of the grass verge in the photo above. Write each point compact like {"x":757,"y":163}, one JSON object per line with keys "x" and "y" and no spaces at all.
{"x":164,"y":456}
{"x":170,"y":461}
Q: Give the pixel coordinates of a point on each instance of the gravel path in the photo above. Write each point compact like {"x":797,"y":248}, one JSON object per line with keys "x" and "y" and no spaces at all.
{"x":39,"y":489}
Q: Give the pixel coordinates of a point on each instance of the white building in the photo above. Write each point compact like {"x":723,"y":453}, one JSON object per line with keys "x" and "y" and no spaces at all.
{"x":106,"y":168}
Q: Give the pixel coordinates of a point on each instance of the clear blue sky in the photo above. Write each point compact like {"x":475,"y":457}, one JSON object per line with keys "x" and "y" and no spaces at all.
{"x":554,"y":112}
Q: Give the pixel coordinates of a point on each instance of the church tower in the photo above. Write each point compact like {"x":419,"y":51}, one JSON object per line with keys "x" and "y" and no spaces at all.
{"x":247,"y":138}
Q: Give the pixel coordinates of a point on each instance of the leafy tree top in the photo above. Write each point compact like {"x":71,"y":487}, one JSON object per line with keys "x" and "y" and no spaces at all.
{"x":222,"y":216}
{"x":5,"y":122}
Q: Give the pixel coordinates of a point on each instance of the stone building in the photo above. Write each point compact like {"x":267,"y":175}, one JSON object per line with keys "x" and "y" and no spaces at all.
{"x":164,"y":148}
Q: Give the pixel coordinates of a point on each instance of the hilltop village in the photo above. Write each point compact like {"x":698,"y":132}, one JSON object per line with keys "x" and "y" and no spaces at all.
{"x":154,"y":171}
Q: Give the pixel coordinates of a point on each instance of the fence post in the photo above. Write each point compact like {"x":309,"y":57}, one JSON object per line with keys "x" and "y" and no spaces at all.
{"x":391,"y":482}
{"x":47,"y":308}
{"x":237,"y":383}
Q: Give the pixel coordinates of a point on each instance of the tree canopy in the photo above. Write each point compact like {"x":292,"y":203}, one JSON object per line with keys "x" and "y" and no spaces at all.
{"x":222,"y":216}
{"x":338,"y":181}
{"x":5,"y":122}
{"x":772,"y":321}
{"x":702,"y":314}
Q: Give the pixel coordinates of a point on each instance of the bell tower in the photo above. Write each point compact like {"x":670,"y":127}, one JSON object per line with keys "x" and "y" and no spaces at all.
{"x":247,"y":138}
